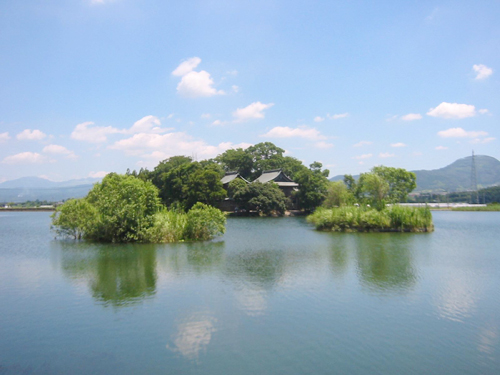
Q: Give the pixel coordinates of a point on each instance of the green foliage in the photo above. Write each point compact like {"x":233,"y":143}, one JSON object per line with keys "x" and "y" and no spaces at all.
{"x":124,"y":208}
{"x":235,"y":186}
{"x":73,"y":218}
{"x":238,"y":160}
{"x":182,"y":182}
{"x":313,"y":186}
{"x":394,"y":218}
{"x":338,"y":195}
{"x":400,"y":181}
{"x":267,"y":199}
{"x":204,"y":222}
{"x":375,"y":187}
{"x":204,"y":186}
{"x":265,"y":156}
{"x":168,"y":226}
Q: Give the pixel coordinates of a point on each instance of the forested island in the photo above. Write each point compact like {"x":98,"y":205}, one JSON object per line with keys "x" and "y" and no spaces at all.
{"x":179,"y":199}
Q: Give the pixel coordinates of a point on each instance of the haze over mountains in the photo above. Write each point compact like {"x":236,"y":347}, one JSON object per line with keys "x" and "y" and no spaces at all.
{"x":36,"y":188}
{"x":456,"y":176}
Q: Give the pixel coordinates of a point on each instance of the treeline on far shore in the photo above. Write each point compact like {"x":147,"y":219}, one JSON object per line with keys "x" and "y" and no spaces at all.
{"x":489,"y":195}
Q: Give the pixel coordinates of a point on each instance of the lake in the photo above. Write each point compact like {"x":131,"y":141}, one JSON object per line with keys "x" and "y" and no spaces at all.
{"x":272,"y":296}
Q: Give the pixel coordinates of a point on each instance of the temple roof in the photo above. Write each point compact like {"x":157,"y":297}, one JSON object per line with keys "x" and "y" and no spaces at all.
{"x":278,"y":177}
{"x":230,"y":176}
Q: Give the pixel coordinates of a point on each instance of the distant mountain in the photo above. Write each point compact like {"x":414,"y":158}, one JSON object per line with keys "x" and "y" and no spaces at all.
{"x":456,"y":176}
{"x":36,"y":188}
{"x":37,"y":182}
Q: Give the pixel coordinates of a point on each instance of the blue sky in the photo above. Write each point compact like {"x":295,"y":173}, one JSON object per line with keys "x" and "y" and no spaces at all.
{"x":88,"y":87}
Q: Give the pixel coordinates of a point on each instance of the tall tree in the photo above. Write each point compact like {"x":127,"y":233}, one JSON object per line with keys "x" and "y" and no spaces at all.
{"x":238,"y":160}
{"x":265,"y":156}
{"x":401,"y":182}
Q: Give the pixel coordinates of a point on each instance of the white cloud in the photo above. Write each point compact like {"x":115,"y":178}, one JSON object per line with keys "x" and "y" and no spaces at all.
{"x":386,"y":155}
{"x":4,"y":137}
{"x":362,"y":143}
{"x":323,"y":145}
{"x":186,"y":66}
{"x":440,"y":148}
{"x":197,"y":84}
{"x":170,"y":144}
{"x":194,"y":84}
{"x":337,"y":116}
{"x":453,"y":111}
{"x":287,"y":132}
{"x":31,"y":135}
{"x":251,"y":111}
{"x":319,"y":119}
{"x":484,"y":140}
{"x":483,"y":111}
{"x":461,"y":133}
{"x":232,"y":72}
{"x":59,"y":150}
{"x":399,"y":144}
{"x":26,"y":158}
{"x":411,"y":117}
{"x":482,"y":71}
{"x":94,"y":134}
{"x":100,"y":174}
{"x":206,"y":115}
{"x":235,"y":88}
{"x":147,"y":124}
{"x":364,"y":156}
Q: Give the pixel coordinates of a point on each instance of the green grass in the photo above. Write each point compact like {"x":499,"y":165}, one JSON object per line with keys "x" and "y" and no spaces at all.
{"x":360,"y":219}
{"x":490,"y":207}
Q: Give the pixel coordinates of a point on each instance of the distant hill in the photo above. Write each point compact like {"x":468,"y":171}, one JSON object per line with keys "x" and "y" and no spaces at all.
{"x":35,"y":188}
{"x":456,"y":176}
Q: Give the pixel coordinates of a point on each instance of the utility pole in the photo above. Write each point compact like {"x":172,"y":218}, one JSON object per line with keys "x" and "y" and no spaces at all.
{"x":474,"y":196}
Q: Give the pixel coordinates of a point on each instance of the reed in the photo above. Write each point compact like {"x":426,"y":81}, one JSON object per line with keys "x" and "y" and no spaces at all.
{"x":364,"y":219}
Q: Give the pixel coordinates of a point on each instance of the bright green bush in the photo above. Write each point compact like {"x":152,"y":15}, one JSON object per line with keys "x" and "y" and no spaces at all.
{"x":168,"y":226}
{"x":74,"y":218}
{"x":123,"y":208}
{"x":364,"y":219}
{"x":204,"y":222}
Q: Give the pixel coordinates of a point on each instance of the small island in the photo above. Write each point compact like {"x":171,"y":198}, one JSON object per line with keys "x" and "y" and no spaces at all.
{"x":378,"y":193}
{"x":124,"y":208}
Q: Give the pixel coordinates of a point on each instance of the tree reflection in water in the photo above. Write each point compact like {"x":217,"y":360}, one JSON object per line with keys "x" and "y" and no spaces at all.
{"x":383,"y":260}
{"x":118,"y":275}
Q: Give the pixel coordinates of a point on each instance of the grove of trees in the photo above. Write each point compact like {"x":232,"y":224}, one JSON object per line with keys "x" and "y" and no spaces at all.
{"x":182,"y":182}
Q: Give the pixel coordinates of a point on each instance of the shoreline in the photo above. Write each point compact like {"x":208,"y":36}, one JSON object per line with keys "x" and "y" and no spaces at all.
{"x":47,"y":209}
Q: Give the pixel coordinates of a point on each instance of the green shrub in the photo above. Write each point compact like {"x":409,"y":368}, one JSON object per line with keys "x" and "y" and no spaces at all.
{"x":392,"y":218}
{"x":168,"y":226}
{"x":74,"y":218}
{"x":204,"y":222}
{"x":124,"y":208}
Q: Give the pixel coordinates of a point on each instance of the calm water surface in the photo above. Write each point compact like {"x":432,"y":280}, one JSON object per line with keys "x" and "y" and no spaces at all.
{"x":272,"y":296}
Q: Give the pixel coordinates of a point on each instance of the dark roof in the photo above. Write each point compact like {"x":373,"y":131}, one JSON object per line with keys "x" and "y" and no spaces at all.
{"x":277,"y":176}
{"x":230,"y":176}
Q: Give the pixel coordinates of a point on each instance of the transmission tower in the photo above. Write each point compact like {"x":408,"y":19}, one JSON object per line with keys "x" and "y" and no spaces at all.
{"x":474,"y":196}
